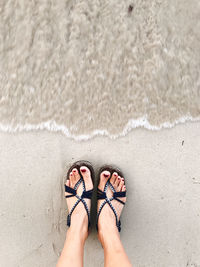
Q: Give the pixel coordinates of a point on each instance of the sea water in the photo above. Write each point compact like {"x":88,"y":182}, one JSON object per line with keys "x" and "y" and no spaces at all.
{"x":99,"y":67}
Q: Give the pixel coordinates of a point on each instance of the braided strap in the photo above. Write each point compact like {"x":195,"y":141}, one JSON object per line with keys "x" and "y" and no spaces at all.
{"x":116,"y":195}
{"x":73,"y":193}
{"x":87,"y":194}
{"x":70,"y":190}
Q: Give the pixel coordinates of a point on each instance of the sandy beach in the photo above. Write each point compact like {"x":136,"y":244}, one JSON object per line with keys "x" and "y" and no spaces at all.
{"x":160,"y":223}
{"x":109,"y":82}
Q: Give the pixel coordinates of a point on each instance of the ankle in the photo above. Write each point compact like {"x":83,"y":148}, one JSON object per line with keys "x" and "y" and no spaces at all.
{"x":108,"y":236}
{"x":78,"y":227}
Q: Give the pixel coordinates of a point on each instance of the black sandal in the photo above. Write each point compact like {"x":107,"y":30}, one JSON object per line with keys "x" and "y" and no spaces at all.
{"x":73,"y":191}
{"x":116,"y":195}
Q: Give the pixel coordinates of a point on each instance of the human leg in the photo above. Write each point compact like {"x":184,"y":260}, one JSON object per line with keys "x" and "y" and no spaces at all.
{"x":72,"y":253}
{"x":114,"y":253}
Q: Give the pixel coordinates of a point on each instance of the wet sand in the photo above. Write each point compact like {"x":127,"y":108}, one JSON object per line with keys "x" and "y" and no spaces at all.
{"x":160,"y":223}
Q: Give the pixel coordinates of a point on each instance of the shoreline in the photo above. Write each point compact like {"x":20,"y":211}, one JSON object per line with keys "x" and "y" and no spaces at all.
{"x":52,"y":126}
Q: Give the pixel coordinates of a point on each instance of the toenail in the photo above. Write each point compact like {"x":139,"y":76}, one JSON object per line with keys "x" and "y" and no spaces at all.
{"x":74,"y":170}
{"x":106,"y":175}
{"x":115,"y":174}
{"x":70,"y":174}
{"x":83,"y":170}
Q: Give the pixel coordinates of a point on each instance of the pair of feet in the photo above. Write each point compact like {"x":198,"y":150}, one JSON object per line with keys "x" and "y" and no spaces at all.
{"x":107,"y":219}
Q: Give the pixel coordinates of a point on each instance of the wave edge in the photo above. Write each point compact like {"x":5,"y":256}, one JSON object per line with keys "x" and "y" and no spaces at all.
{"x":132,"y":124}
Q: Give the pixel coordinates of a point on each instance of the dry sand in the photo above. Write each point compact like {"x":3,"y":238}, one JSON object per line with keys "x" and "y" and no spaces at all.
{"x":160,"y":223}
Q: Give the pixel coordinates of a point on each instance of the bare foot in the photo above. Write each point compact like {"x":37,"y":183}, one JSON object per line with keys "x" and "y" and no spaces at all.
{"x":107,"y":220}
{"x":79,"y":218}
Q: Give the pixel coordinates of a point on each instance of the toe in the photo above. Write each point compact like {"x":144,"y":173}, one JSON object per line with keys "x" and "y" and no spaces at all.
{"x":113,"y":178}
{"x":85,"y":171}
{"x":123,"y":188}
{"x":121,"y":184}
{"x":117,"y":182}
{"x":76,"y":175}
{"x":67,"y":183}
{"x":71,"y":180}
{"x":104,"y":176}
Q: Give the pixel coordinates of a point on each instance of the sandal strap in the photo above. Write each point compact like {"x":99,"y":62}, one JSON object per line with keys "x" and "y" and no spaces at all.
{"x":70,"y":190}
{"x":108,"y":201}
{"x":119,"y":194}
{"x":85,"y":194}
{"x":101,"y":194}
{"x":116,"y":195}
{"x":70,"y":214}
{"x":119,"y":200}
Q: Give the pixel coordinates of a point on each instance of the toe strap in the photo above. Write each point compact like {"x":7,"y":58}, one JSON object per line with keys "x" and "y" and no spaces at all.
{"x":70,"y":190}
{"x":87,"y":194}
{"x":117,"y":195}
{"x":101,"y":194}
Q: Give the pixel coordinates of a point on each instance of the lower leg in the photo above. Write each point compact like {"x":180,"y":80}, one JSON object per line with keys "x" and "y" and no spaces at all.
{"x":73,"y":251}
{"x":114,"y":253}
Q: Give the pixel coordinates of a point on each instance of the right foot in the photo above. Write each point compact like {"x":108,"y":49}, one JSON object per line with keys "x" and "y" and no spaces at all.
{"x":79,"y":218}
{"x":107,"y":220}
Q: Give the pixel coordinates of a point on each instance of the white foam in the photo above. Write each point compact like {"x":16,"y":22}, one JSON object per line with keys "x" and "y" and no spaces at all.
{"x":132,"y":124}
